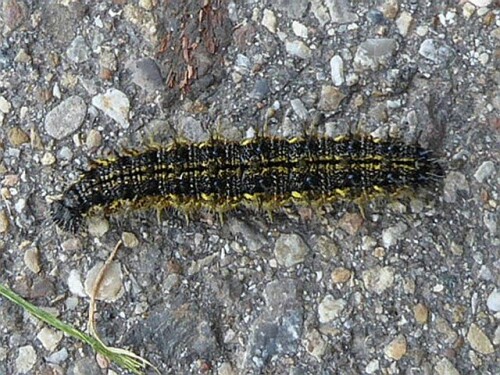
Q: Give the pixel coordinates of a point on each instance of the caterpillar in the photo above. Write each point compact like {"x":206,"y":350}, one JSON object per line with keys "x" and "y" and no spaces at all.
{"x":265,"y":171}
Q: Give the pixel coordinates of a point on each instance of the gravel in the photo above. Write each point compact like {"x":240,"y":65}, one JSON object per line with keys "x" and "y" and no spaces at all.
{"x":65,"y":118}
{"x":383,"y":287}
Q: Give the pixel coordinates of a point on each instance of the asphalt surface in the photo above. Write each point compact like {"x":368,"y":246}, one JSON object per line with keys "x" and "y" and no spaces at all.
{"x":410,"y":287}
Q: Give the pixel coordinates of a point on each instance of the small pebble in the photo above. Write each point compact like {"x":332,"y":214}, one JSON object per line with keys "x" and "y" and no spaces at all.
{"x":493,"y":301}
{"x":20,"y":205}
{"x":22,"y":57}
{"x":299,"y":49}
{"x":71,"y":244}
{"x":65,"y":153}
{"x":330,"y":308}
{"x":374,"y":53}
{"x":226,"y":369}
{"x":368,"y":243}
{"x":320,"y":12}
{"x":4,"y":222}
{"x":3,"y":353}
{"x":481,"y":3}
{"x":299,"y":109}
{"x":390,"y":8}
{"x":58,"y":357}
{"x":32,"y":259}
{"x":130,"y":240}
{"x":147,"y":4}
{"x":49,"y":338}
{"x":326,"y":247}
{"x":351,"y":223}
{"x":269,"y":20}
{"x":372,"y":367}
{"x":260,"y":90}
{"x":421,"y":313}
{"x":97,"y":226}
{"x":496,"y":336}
{"x":299,"y":29}
{"x":351,"y":79}
{"x":485,"y":170}
{"x":315,"y":344}
{"x":341,"y":275}
{"x":392,"y":235}
{"x":94,"y":139}
{"x":396,"y":349}
{"x":490,"y":221}
{"x":479,"y":341}
{"x":147,"y":75}
{"x":85,"y":366}
{"x":65,"y":118}
{"x":78,"y":51}
{"x":75,"y":284}
{"x":445,"y":367}
{"x":290,"y":249}
{"x":171,"y":282}
{"x":17,"y":137}
{"x":337,"y":70}
{"x":435,"y":51}
{"x":330,"y":98}
{"x":26,"y":359}
{"x":375,"y":16}
{"x":107,"y":61}
{"x":48,"y":159}
{"x":5,"y":106}
{"x":114,"y":104}
{"x":242,"y":63}
{"x":378,"y":279}
{"x":483,"y":58}
{"x":403,"y":23}
{"x":468,"y":10}
{"x":340,"y":11}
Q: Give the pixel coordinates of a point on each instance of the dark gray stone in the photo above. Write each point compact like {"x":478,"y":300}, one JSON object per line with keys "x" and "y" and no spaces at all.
{"x":85,"y":366}
{"x":146,"y":74}
{"x":278,"y":329}
{"x":176,"y":330}
{"x":260,"y":90}
{"x":293,"y":8}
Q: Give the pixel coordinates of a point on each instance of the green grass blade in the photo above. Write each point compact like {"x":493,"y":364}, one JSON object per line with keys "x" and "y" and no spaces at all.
{"x":121,"y":357}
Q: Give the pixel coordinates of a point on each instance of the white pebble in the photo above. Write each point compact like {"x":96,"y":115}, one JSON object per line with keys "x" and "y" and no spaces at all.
{"x":337,"y":70}
{"x":299,"y":29}
{"x":114,"y":104}
{"x":404,"y":22}
{"x":269,"y":21}
{"x":5,"y":106}
{"x":330,"y":308}
{"x":75,"y":284}
{"x":480,"y":3}
{"x":493,"y":301}
{"x":26,"y":359}
{"x":48,"y":159}
{"x":49,"y":338}
{"x":299,"y":49}
{"x":484,"y":171}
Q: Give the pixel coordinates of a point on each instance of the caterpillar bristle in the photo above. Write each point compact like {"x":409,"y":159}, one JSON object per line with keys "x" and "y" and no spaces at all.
{"x":67,"y":218}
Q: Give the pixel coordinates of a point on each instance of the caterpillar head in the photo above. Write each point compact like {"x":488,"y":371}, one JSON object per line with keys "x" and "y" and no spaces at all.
{"x":66,"y":214}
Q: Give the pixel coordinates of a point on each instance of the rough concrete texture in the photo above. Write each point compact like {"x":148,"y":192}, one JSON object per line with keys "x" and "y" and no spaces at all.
{"x":411,"y":287}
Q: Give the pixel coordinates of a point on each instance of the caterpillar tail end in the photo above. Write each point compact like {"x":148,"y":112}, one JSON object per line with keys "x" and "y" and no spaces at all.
{"x":66,"y":217}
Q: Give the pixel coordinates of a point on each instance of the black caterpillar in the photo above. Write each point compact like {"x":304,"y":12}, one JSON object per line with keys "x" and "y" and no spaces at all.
{"x":265,"y":171}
